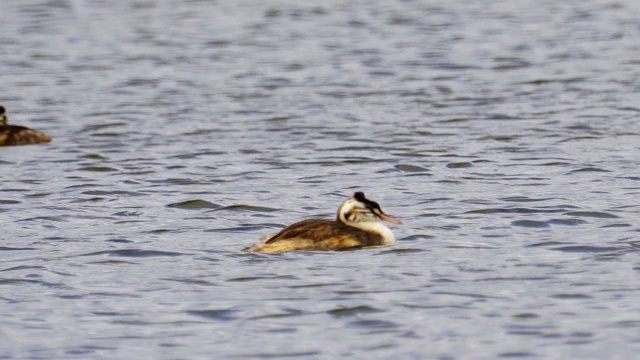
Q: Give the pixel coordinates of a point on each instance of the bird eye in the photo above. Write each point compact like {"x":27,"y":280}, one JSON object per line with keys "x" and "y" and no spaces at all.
{"x":348,"y":215}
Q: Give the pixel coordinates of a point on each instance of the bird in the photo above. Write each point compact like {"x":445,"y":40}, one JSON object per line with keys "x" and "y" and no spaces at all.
{"x":356,"y":226}
{"x":18,"y":135}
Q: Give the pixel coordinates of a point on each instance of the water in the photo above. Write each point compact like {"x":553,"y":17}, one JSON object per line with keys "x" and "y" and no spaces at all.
{"x":504,"y":134}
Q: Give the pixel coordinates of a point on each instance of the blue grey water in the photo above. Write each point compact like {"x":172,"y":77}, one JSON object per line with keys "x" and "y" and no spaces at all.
{"x":504,"y":134}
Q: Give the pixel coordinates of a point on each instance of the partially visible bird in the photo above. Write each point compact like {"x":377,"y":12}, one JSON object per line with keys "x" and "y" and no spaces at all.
{"x":18,"y":135}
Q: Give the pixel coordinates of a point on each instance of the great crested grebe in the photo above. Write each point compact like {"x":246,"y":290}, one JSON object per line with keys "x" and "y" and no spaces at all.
{"x":18,"y":135}
{"x":356,"y":226}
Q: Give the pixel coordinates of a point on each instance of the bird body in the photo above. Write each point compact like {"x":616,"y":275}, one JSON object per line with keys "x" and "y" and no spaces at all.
{"x":356,"y":226}
{"x":18,"y":135}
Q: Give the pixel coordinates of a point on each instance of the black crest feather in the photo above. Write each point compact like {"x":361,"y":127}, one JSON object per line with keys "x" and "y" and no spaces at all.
{"x":363,"y":199}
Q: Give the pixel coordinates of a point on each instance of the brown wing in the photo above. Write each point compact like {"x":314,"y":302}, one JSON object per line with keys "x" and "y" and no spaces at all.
{"x":20,"y":135}
{"x":319,"y":230}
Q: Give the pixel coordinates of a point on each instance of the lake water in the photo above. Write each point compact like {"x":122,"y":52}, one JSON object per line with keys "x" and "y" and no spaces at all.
{"x":504,"y":134}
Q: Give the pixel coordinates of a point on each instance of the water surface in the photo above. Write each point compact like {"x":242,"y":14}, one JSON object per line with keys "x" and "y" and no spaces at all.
{"x":504,"y":134}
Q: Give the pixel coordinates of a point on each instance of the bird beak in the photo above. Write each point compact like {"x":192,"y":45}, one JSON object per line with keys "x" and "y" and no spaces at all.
{"x":389,"y":219}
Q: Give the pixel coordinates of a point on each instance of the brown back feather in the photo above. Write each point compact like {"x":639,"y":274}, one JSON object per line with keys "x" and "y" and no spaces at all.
{"x":20,"y":135}
{"x":318,"y":230}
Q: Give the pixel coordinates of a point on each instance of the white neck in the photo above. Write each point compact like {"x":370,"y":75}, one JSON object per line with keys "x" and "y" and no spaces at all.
{"x":377,"y":228}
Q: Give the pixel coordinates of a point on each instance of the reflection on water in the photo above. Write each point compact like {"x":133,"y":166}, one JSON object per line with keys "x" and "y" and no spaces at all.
{"x":503,"y":135}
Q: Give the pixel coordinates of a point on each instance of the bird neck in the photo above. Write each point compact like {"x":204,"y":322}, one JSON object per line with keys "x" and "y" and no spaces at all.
{"x":376,"y":228}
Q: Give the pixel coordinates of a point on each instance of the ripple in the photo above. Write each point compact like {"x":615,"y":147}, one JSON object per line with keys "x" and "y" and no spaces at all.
{"x":23,"y":267}
{"x":278,"y":355}
{"x":546,"y":243}
{"x":622,"y":225}
{"x":410,"y":168}
{"x":513,"y":278}
{"x":589,"y":169}
{"x":510,"y":210}
{"x":524,"y":199}
{"x":516,"y":354}
{"x":9,"y":202}
{"x":127,"y":213}
{"x":510,"y":63}
{"x":341,"y":312}
{"x":217,"y":314}
{"x":467,"y":295}
{"x":191,"y":281}
{"x":97,"y":169}
{"x":417,"y":237}
{"x":400,"y":251}
{"x":555,"y":80}
{"x":48,"y":218}
{"x":250,"y":208}
{"x":627,"y":324}
{"x":530,"y":223}
{"x":592,"y":214}
{"x":526,"y":316}
{"x":181,"y":181}
{"x":198,"y":154}
{"x":138,"y":253}
{"x":459,"y":165}
{"x":373,"y":324}
{"x":286,"y":313}
{"x":586,"y":249}
{"x":571,"y":296}
{"x":112,"y":192}
{"x":8,"y":248}
{"x":313,"y":285}
{"x":195,"y":204}
{"x":254,"y":278}
{"x":240,"y":229}
{"x":568,"y":222}
{"x":10,"y":281}
{"x":112,"y":262}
